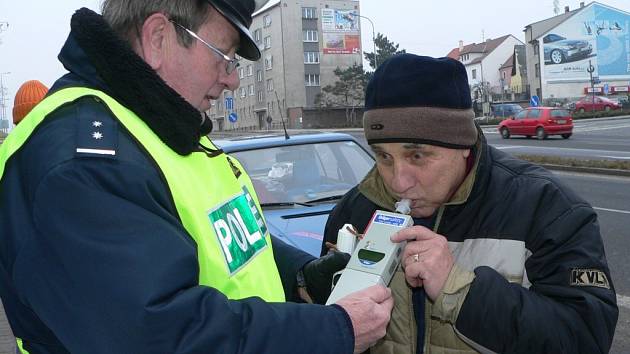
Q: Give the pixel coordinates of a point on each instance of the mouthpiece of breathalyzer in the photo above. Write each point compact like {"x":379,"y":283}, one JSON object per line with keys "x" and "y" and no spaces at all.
{"x":403,"y":206}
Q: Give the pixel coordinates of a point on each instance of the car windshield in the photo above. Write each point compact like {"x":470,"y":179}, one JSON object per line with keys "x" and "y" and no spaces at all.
{"x":305,"y":173}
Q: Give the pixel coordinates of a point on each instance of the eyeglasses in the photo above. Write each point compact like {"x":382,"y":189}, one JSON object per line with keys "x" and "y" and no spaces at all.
{"x":232,"y":64}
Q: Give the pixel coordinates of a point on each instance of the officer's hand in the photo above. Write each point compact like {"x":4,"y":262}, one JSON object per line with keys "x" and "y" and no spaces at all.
{"x":319,"y":272}
{"x":369,"y":310}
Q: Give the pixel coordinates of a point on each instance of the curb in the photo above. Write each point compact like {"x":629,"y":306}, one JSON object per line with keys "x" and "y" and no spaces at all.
{"x":591,"y":170}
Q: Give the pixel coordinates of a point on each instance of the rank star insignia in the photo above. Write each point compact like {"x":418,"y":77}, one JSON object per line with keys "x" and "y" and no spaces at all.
{"x":97,"y":135}
{"x":97,"y":124}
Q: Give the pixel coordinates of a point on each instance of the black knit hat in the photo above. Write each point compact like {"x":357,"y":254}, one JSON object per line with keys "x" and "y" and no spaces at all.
{"x":420,"y":99}
{"x":239,"y":13}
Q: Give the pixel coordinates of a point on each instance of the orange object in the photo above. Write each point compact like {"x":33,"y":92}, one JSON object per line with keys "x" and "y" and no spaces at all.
{"x":30,"y":94}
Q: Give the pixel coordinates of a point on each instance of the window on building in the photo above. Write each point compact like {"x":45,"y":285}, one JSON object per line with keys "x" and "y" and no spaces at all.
{"x":259,"y":75}
{"x":241,"y":73}
{"x":309,"y":12}
{"x":536,"y":49}
{"x":311,"y":80}
{"x":250,"y":70}
{"x":503,"y":75}
{"x":270,"y":85}
{"x":267,"y":20}
{"x":243,"y":92}
{"x":251,"y":89}
{"x":268,"y":62}
{"x":537,"y":69}
{"x":260,"y":96}
{"x":267,"y":42}
{"x":258,"y":35}
{"x":311,"y":57}
{"x":474,"y":74}
{"x":310,"y":36}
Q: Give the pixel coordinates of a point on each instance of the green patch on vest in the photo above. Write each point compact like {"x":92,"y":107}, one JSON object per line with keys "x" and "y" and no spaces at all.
{"x":240,"y":230}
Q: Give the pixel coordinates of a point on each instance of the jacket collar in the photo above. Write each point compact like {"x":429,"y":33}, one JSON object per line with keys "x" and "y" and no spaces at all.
{"x":96,"y":57}
{"x":373,"y":187}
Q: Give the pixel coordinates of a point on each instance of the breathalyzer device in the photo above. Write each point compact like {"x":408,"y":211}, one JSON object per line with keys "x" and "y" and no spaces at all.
{"x":375,"y":258}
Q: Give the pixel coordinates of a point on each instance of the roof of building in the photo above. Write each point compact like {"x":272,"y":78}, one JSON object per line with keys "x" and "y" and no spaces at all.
{"x":519,"y":61}
{"x":508,"y":63}
{"x":484,"y":48}
{"x":541,"y":27}
{"x":453,"y":54}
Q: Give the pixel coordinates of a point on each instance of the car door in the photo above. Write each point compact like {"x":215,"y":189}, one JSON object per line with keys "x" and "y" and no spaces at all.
{"x":516,"y":125}
{"x":531,"y":121}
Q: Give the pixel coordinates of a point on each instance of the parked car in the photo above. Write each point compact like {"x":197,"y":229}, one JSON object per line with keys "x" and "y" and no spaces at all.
{"x":559,"y":49}
{"x":538,"y":121}
{"x":299,"y":180}
{"x":504,"y":110}
{"x":597,"y":103}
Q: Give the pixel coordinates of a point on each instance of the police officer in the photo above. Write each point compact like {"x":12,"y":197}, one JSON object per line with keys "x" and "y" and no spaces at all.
{"x":125,"y":230}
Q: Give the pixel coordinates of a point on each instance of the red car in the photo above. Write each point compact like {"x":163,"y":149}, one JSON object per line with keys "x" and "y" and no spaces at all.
{"x":598,"y":103}
{"x":538,"y":121}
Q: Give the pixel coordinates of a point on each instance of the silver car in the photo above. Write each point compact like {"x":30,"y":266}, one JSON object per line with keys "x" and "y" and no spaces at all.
{"x":559,"y":49}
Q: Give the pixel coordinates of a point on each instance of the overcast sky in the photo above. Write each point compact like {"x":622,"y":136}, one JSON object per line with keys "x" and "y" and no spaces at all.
{"x":38,"y":28}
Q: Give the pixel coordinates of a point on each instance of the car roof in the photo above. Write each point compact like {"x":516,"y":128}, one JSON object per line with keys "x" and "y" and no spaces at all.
{"x":242,"y":143}
{"x":542,"y":107}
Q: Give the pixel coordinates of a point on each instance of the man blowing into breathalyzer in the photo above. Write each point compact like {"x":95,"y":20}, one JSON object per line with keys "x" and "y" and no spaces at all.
{"x":507,"y":260}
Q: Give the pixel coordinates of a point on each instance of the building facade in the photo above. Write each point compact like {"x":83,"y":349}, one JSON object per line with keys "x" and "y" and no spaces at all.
{"x":579,"y":52}
{"x":302,"y":42}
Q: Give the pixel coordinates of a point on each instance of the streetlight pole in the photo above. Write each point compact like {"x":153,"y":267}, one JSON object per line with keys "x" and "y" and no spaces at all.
{"x":373,"y":39}
{"x":590,"y":70}
{"x":2,"y":104}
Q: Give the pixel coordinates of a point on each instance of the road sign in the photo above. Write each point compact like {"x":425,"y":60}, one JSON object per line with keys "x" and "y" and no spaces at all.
{"x":606,"y":89}
{"x":534,"y":101}
{"x":232,"y":117}
{"x":229,"y":103}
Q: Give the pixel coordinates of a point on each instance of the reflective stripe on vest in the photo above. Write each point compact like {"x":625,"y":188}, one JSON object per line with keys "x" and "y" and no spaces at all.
{"x":216,"y":208}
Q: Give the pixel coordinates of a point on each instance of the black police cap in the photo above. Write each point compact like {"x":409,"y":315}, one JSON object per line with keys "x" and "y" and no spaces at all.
{"x":239,"y":13}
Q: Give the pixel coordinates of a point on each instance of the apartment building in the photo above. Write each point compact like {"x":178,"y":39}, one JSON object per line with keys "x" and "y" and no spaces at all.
{"x":302,"y":42}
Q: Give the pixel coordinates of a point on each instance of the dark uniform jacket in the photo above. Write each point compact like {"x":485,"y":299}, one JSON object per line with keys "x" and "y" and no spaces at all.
{"x":93,"y":257}
{"x":530,"y":276}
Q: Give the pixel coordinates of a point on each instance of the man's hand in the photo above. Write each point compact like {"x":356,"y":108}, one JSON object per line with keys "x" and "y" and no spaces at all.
{"x":369,"y":310}
{"x":426,"y":259}
{"x":319,"y":272}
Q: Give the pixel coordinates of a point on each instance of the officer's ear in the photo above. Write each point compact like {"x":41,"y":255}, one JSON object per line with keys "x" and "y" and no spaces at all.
{"x":157,"y":37}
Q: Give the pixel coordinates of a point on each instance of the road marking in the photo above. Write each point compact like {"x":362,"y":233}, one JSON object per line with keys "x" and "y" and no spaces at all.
{"x":508,"y":147}
{"x":623,"y":301}
{"x":592,"y":129}
{"x":613,"y":210}
{"x":615,"y":157}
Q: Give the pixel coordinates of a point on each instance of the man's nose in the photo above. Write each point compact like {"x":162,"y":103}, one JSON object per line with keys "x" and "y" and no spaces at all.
{"x":231,"y":80}
{"x":403,"y":178}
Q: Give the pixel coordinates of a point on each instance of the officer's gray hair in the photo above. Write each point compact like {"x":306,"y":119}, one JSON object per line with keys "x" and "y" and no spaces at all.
{"x":126,"y":17}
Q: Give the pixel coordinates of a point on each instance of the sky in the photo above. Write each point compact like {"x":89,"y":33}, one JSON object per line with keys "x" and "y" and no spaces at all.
{"x":38,"y":28}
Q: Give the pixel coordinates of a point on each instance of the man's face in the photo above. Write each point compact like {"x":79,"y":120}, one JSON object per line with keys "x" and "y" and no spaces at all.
{"x":197,"y":73}
{"x":426,"y":174}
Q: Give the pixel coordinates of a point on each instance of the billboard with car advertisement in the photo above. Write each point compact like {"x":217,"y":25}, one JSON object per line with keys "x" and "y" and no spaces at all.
{"x":597,"y":34}
{"x":341,"y":31}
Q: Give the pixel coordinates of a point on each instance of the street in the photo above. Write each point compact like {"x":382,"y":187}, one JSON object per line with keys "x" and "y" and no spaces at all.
{"x":611,"y":200}
{"x":592,"y":139}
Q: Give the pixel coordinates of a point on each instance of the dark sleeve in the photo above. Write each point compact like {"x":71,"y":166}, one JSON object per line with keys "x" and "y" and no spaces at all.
{"x":109,"y":270}
{"x":289,"y":261}
{"x":553,"y":315}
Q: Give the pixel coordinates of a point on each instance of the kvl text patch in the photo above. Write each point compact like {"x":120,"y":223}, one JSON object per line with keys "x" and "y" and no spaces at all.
{"x":589,"y":277}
